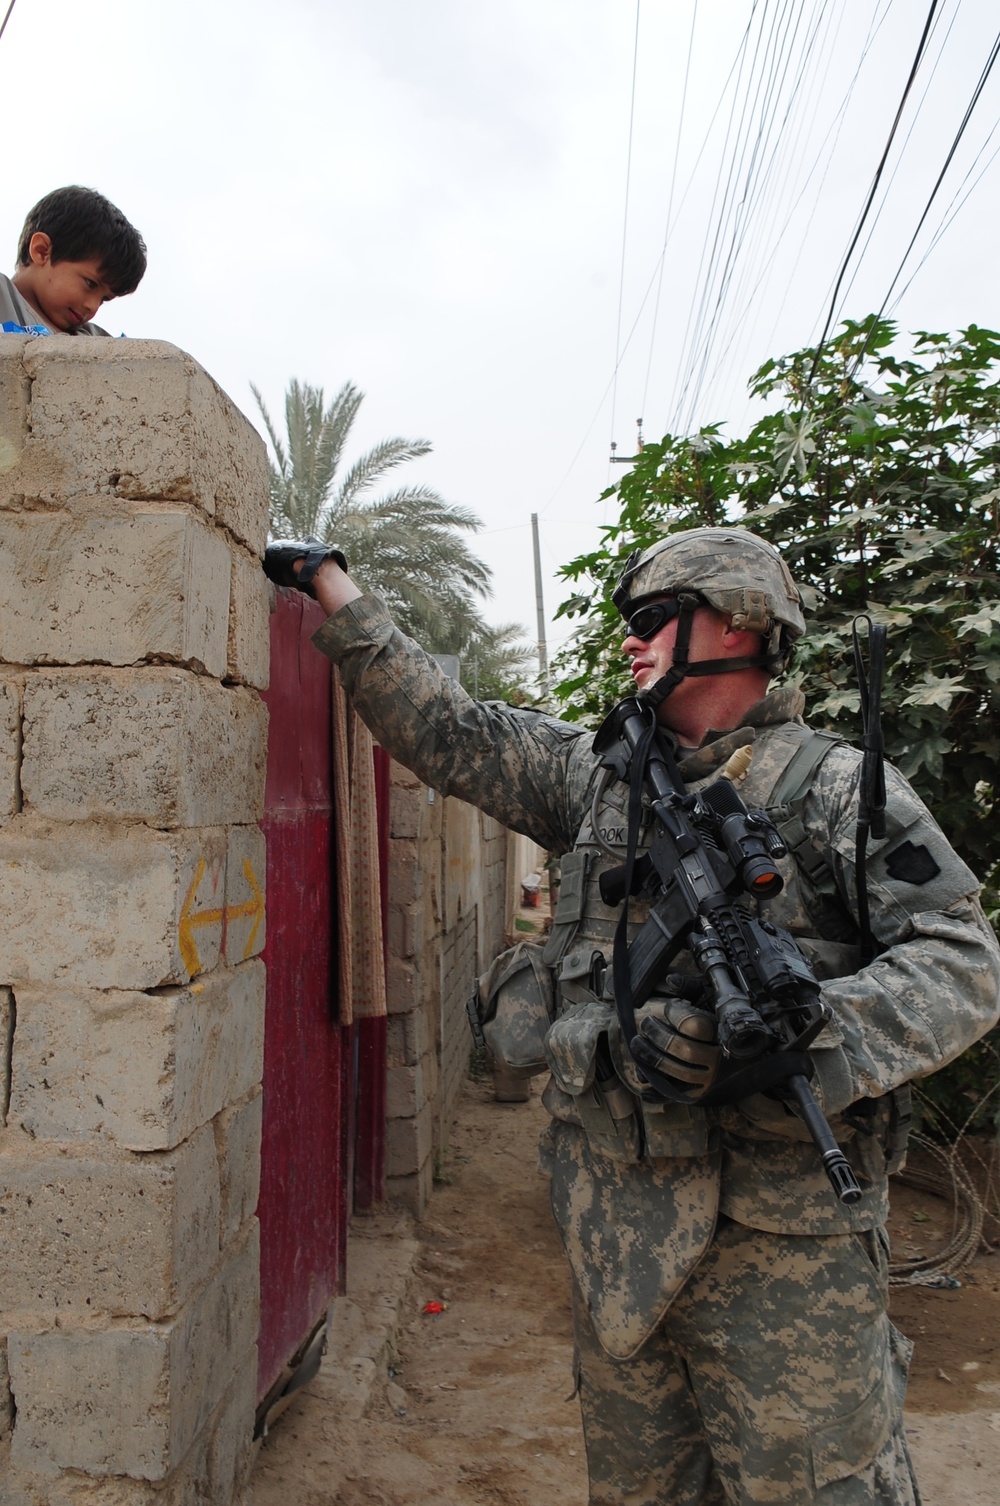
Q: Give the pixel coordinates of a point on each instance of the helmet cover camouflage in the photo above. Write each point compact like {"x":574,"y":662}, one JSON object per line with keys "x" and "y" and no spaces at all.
{"x":731,"y":569}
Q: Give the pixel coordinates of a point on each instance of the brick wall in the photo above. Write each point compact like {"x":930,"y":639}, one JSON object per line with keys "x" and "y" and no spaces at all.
{"x":133,"y":641}
{"x":458,"y":968}
{"x":454,"y":877}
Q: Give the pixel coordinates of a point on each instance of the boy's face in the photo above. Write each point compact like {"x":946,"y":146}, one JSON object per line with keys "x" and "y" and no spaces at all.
{"x":65,"y":293}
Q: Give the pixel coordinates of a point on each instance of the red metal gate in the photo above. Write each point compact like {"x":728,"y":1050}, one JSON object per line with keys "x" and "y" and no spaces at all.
{"x":324,"y":1094}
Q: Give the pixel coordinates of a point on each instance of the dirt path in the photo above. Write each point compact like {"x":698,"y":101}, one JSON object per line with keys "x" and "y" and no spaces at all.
{"x":477,"y":1414}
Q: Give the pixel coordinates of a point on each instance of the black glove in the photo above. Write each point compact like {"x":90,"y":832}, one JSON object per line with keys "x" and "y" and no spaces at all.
{"x":682,"y":1045}
{"x":281,"y":555}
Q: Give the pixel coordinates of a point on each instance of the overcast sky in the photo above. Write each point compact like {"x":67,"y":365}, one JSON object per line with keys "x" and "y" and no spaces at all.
{"x":429,"y":200}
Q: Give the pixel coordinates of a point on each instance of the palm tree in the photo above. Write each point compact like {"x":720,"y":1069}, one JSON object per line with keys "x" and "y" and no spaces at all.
{"x":497,"y":664}
{"x":406,"y":545}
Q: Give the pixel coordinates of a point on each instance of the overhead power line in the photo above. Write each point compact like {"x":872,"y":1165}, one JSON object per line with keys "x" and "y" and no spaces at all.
{"x":762,"y":153}
{"x":670,"y":204}
{"x":761,"y":262}
{"x":976,"y":95}
{"x":3,"y":23}
{"x":901,"y":155}
{"x":954,"y":208}
{"x":766,"y":138}
{"x":875,"y":183}
{"x":628,"y":178}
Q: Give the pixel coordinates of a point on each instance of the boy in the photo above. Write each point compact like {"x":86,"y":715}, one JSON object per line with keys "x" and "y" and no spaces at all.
{"x":76,"y":252}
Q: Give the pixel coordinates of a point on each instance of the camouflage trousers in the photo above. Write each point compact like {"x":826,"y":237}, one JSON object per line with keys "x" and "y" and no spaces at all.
{"x":775,"y":1379}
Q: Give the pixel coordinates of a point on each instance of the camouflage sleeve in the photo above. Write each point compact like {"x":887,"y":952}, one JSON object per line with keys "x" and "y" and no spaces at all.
{"x":529,"y":771}
{"x":934,"y":988}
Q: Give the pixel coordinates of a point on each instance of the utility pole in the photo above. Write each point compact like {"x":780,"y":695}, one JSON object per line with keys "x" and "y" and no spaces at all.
{"x":543,"y":655}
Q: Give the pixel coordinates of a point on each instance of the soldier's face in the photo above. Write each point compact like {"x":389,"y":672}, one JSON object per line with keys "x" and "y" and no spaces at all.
{"x":652,"y":657}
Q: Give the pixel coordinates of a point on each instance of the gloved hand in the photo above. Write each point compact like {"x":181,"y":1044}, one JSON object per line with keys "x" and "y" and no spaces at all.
{"x":680,"y":1042}
{"x":281,"y":555}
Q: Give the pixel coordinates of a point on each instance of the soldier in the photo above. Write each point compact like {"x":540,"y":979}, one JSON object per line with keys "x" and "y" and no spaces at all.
{"x":732,"y":1340}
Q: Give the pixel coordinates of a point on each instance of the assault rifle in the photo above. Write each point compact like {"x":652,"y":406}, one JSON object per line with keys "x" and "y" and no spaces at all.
{"x":706,"y":849}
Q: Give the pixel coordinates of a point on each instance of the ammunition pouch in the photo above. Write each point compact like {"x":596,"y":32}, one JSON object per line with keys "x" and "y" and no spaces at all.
{"x":579,"y":1059}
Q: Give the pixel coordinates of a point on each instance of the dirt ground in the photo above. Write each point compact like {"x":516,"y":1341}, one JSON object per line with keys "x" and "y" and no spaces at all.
{"x":477,"y":1411}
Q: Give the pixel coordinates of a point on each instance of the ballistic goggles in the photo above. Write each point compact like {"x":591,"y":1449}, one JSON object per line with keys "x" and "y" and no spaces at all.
{"x":645,"y":622}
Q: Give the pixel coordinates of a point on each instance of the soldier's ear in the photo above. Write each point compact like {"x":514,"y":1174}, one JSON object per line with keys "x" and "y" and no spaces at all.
{"x":741,"y":640}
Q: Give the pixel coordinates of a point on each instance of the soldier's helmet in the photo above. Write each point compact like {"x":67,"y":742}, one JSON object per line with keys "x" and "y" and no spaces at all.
{"x":732,"y":570}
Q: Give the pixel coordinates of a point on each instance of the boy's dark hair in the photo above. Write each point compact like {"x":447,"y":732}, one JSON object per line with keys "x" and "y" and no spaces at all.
{"x":83,"y":225}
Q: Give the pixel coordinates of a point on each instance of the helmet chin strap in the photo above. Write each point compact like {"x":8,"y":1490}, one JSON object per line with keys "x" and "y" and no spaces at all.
{"x":683,"y":669}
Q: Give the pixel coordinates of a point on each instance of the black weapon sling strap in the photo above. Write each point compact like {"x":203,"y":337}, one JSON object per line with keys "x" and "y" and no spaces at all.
{"x":871,"y":776}
{"x":785,"y":809}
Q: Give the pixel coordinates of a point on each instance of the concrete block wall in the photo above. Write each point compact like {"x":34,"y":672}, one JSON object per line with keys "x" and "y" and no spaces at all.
{"x":133,"y":644}
{"x":453,"y":886}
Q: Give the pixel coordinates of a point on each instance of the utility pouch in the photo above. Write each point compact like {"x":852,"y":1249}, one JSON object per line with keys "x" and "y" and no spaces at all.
{"x":514,"y":1002}
{"x":581,"y":976}
{"x":882,"y":1127}
{"x":572,"y":1043}
{"x":580,"y":1063}
{"x":513,"y":1007}
{"x":569,"y":907}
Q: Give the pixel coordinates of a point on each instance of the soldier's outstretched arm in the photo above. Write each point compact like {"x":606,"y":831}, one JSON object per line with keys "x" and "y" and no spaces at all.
{"x":528,"y":770}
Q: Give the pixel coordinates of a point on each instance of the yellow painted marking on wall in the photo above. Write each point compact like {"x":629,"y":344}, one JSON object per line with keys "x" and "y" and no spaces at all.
{"x":253,"y":907}
{"x":185,"y":940}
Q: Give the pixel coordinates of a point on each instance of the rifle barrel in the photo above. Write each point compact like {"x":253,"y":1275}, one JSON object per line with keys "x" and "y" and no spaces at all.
{"x":835,"y":1163}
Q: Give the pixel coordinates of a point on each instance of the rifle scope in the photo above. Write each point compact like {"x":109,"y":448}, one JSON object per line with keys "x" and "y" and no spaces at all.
{"x":750,"y":844}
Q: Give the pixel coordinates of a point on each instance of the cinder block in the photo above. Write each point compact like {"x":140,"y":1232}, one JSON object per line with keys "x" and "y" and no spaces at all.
{"x":400,"y":986}
{"x":81,"y":1237}
{"x":10,"y":749}
{"x":187,"y":1485}
{"x":405,"y":779}
{"x":6,"y":1046}
{"x":123,"y":907}
{"x":231,"y":1451}
{"x":419,"y":1043}
{"x":144,"y":1070}
{"x":133,"y":1401}
{"x":408,"y":1040}
{"x":408,"y":1143}
{"x":237,"y":1143}
{"x":139,"y":419}
{"x":93,"y":1401}
{"x":246,"y":874}
{"x":406,"y":874}
{"x":406,"y":928}
{"x":6,"y":1399}
{"x":249,"y":622}
{"x":214,"y":1335}
{"x":412,"y":1192}
{"x":397,"y":1049}
{"x":404,"y":1093}
{"x":153,"y":584}
{"x":15,"y":390}
{"x":405,"y":806}
{"x":160,"y":745}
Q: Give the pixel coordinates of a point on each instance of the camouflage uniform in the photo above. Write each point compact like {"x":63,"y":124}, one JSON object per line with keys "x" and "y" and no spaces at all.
{"x":732,"y":1340}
